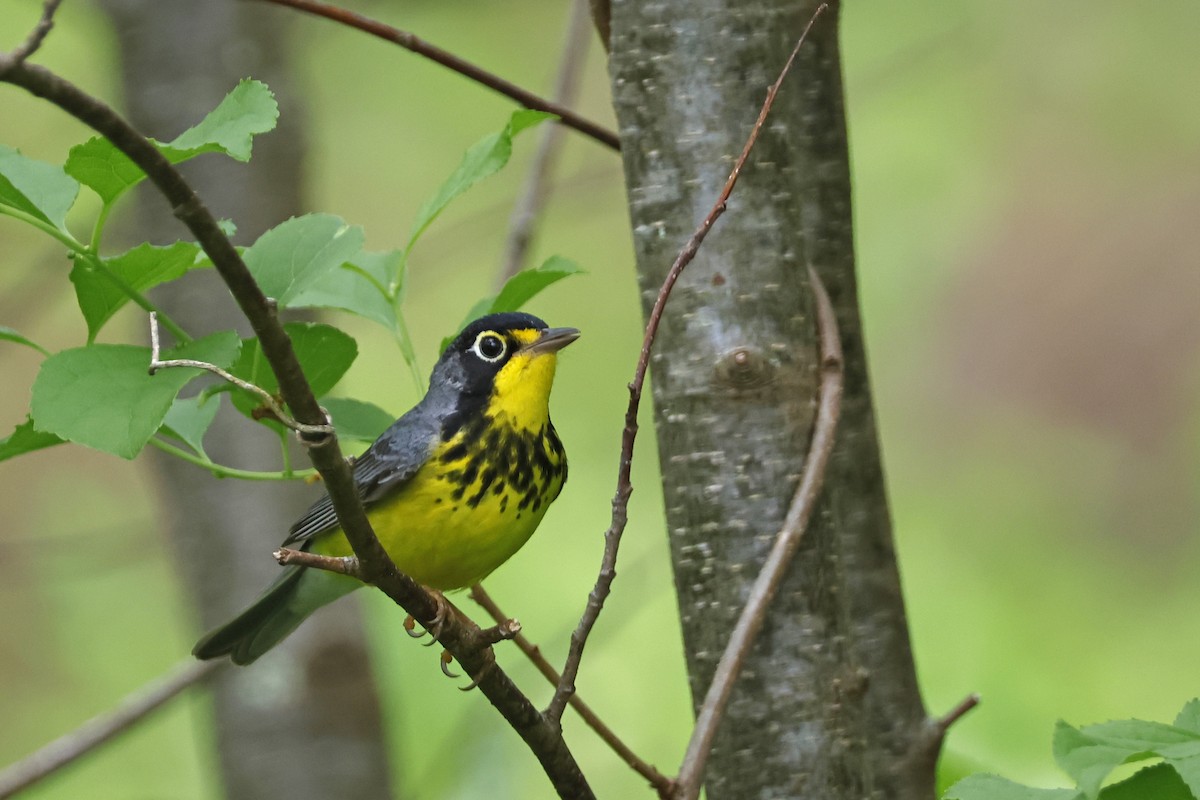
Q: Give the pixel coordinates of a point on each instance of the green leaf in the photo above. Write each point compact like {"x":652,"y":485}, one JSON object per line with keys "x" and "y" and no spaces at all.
{"x":1189,"y":716}
{"x":189,"y":419}
{"x":360,"y":286}
{"x":486,"y":157}
{"x":298,"y":254}
{"x":141,"y":268}
{"x":324,"y":352}
{"x":1089,"y":759}
{"x":230,"y":128}
{"x":1158,"y":782}
{"x":1091,"y":753}
{"x":518,"y":290}
{"x":103,"y":396}
{"x":25,"y":439}
{"x":99,"y":165}
{"x":1189,"y":772}
{"x":8,"y":334}
{"x":993,"y":787}
{"x":39,"y":189}
{"x":356,"y":419}
{"x":1140,"y":735}
{"x":525,"y":285}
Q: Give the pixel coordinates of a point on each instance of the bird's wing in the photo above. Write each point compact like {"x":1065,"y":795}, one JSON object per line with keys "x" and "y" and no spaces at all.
{"x":388,"y":464}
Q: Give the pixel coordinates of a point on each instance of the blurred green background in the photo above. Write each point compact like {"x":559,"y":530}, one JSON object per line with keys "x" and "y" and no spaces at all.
{"x":1027,"y":188}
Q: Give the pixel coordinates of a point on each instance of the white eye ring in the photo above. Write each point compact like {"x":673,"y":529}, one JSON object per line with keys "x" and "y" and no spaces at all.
{"x":490,"y":346}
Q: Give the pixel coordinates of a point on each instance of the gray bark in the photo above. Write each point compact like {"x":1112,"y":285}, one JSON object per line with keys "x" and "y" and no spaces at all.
{"x":828,"y":706}
{"x":303,"y":722}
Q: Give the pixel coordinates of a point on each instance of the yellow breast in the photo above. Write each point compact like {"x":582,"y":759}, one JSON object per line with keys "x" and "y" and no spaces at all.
{"x":471,"y":506}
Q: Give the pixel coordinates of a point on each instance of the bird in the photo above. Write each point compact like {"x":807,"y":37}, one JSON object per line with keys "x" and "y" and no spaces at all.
{"x":453,"y":488}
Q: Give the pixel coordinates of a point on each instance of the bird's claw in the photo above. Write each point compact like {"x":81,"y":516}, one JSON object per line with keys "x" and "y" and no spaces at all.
{"x":410,"y":627}
{"x":439,"y":617}
{"x":445,"y":661}
{"x":434,"y":628}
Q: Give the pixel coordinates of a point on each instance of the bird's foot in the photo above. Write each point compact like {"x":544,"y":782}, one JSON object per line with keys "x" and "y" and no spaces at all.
{"x":434,"y":626}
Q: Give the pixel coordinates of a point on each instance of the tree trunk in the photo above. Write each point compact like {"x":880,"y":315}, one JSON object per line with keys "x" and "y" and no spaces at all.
{"x":304,"y":722}
{"x":828,"y":705}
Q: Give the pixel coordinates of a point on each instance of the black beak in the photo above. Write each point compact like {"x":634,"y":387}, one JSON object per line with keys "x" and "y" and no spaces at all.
{"x":552,"y":340}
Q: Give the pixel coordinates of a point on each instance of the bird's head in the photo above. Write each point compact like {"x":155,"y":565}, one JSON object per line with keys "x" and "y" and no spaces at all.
{"x":504,"y":363}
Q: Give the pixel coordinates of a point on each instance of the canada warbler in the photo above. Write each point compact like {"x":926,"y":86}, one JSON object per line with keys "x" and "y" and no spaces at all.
{"x":453,"y":488}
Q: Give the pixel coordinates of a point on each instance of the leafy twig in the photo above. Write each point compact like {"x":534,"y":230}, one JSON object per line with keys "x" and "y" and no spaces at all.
{"x":310,"y":434}
{"x":620,"y":503}
{"x":100,"y":729}
{"x":543,"y":738}
{"x":447,"y":59}
{"x":754,"y":614}
{"x":536,"y":189}
{"x":661,"y":783}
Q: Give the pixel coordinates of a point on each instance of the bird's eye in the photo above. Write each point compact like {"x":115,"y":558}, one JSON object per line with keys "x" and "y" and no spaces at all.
{"x":489,"y":346}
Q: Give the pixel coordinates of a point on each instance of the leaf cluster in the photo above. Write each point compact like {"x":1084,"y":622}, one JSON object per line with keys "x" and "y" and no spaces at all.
{"x":1090,"y":754}
{"x":104,"y":396}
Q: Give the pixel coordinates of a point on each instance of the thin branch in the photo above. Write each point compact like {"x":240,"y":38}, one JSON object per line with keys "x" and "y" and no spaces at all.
{"x":954,"y":715}
{"x":750,"y":623}
{"x":543,"y":739}
{"x":620,"y":503}
{"x":536,"y":189}
{"x":310,"y":434}
{"x":35,"y":38}
{"x":447,"y":59}
{"x":342,"y":565}
{"x":100,"y":729}
{"x":661,"y":783}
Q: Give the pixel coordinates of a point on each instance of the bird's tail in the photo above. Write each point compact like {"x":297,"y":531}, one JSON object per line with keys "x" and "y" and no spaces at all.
{"x":294,"y":595}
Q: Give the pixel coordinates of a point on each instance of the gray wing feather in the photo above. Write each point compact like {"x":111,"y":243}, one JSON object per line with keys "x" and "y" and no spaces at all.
{"x":387,"y":465}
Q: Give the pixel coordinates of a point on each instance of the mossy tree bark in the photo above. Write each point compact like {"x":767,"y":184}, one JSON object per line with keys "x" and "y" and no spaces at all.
{"x":828,"y":706}
{"x":303,"y":722}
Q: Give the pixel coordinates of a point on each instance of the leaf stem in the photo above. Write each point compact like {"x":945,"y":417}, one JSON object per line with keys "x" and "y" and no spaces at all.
{"x":95,"y":262}
{"x":98,"y":228}
{"x":222,"y":471}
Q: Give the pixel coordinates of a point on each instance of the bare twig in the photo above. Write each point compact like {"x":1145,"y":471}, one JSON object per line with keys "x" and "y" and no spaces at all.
{"x":100,"y":729}
{"x":342,"y":565}
{"x":661,"y":783}
{"x":447,"y":59}
{"x":310,"y":434}
{"x":35,"y":38}
{"x":543,"y":739}
{"x":536,"y":189}
{"x":750,"y":622}
{"x":620,"y":503}
{"x":955,"y":714}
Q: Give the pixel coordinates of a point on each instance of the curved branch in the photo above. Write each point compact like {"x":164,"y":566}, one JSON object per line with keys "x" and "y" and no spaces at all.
{"x":461,"y":639}
{"x":447,"y":59}
{"x":754,"y":614}
{"x":620,"y":503}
